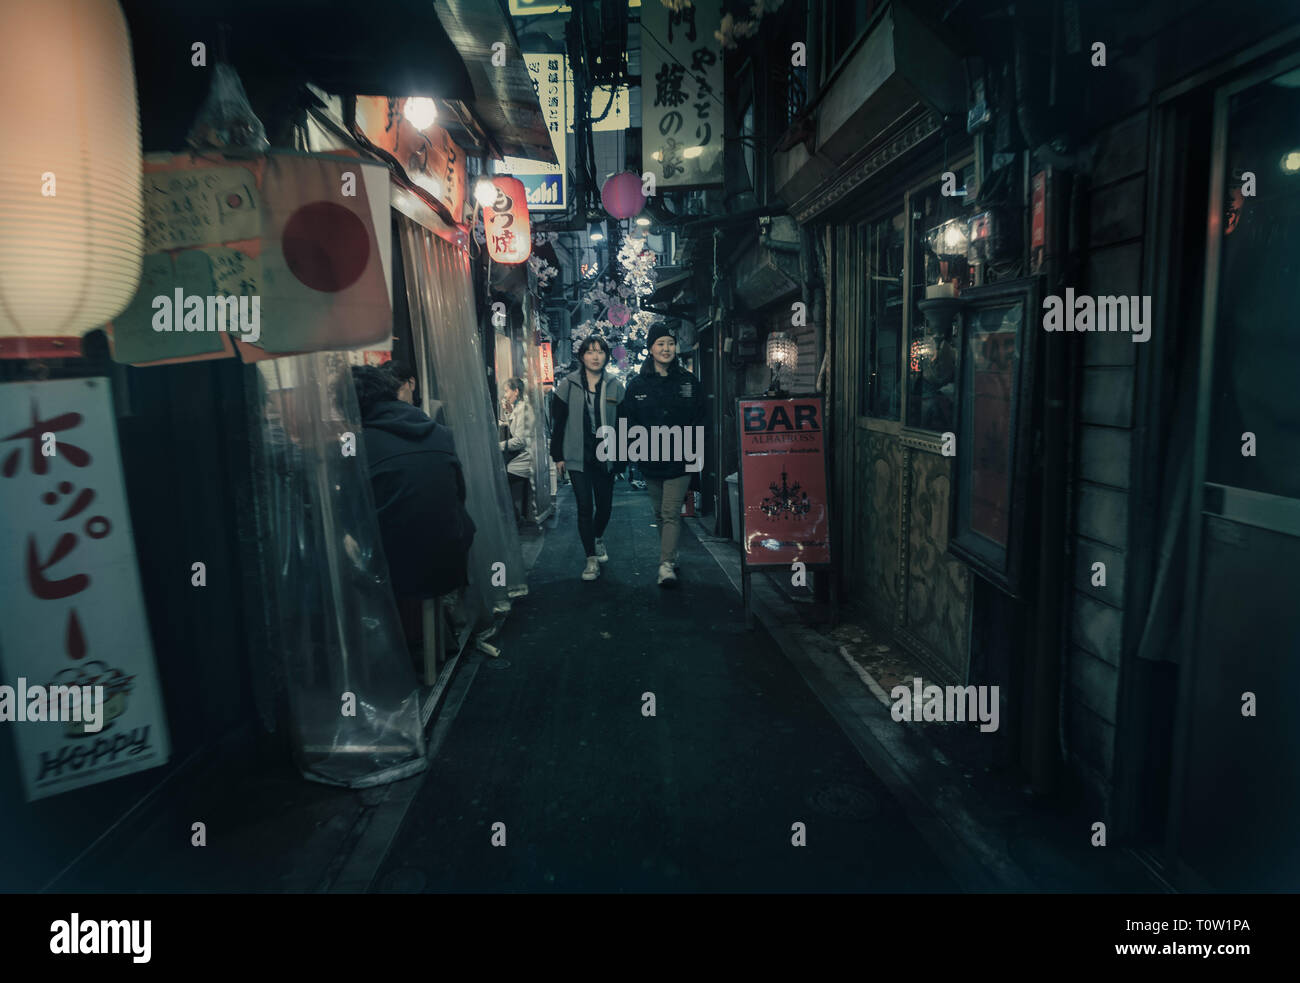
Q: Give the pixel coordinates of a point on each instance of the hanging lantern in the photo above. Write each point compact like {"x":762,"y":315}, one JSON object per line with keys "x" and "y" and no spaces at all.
{"x":621,"y":195}
{"x":509,"y":235}
{"x":71,"y":224}
{"x":782,"y":352}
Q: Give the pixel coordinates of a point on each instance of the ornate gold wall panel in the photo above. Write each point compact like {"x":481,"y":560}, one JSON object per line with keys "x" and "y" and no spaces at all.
{"x":937,"y":585}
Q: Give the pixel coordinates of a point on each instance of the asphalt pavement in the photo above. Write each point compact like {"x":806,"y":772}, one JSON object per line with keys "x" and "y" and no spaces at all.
{"x":551,"y":774}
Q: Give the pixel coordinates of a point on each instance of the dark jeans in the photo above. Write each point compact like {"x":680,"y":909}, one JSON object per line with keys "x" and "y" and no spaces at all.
{"x":519,"y":486}
{"x":594,"y":484}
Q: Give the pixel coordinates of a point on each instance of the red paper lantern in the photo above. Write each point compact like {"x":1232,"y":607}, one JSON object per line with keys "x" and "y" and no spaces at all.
{"x":621,"y":195}
{"x":505,"y":221}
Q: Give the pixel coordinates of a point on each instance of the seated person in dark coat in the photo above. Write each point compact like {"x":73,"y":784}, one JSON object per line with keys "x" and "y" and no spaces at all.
{"x":419,"y":490}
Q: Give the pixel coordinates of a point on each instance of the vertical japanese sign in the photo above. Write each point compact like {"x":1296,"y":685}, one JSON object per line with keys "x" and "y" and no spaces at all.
{"x":430,"y":157}
{"x":681,"y":94}
{"x":74,"y":612}
{"x":546,"y":363}
{"x":545,"y":184}
{"x":784,"y":508}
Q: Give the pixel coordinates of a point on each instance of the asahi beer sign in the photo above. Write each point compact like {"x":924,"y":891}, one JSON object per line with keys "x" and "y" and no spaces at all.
{"x":78,"y":688}
{"x":544,"y":183}
{"x":681,"y":94}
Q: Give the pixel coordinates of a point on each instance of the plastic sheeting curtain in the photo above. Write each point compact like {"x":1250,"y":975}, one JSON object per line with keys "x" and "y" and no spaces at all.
{"x":440,"y":296}
{"x":537,"y":398}
{"x":332,"y":622}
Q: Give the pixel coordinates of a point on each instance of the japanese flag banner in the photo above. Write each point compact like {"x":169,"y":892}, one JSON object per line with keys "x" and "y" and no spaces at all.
{"x":78,"y":686}
{"x":324,"y":284}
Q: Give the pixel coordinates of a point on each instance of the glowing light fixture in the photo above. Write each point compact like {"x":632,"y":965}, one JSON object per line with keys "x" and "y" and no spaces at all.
{"x":1291,"y":162}
{"x":594,"y":232}
{"x":485,"y":192}
{"x":420,"y":112}
{"x":642,"y":221}
{"x":782,"y":352}
{"x":692,"y":152}
{"x":71,"y":212}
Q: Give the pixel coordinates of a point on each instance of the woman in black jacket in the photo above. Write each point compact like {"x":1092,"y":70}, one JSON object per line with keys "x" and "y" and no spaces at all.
{"x":666,"y":395}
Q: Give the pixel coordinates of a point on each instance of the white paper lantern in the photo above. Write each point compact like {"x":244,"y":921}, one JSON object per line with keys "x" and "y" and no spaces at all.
{"x":71,"y":229}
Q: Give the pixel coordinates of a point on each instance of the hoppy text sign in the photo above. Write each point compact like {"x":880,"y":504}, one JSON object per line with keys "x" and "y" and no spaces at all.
{"x":74,"y":613}
{"x":784,"y":508}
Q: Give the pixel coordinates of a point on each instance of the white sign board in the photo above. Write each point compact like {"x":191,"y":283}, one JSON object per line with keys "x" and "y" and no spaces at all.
{"x":74,"y":612}
{"x":681,"y":94}
{"x":545,"y":183}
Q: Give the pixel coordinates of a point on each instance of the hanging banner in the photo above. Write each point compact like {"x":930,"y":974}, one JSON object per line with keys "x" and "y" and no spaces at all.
{"x":430,"y":157}
{"x":545,"y":185}
{"x":784,"y":507}
{"x":546,"y":370}
{"x":78,"y":686}
{"x":509,"y":236}
{"x":681,"y":94}
{"x":274,"y":256}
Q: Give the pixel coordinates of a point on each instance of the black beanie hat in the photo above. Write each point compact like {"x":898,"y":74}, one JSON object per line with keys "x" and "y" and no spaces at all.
{"x":660,"y":330}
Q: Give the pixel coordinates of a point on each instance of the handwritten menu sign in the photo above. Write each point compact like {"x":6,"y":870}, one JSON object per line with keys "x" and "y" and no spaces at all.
{"x":200,"y":207}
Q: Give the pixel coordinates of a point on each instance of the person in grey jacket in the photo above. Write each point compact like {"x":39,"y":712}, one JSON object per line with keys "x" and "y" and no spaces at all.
{"x":585,"y":401}
{"x":521,"y":422}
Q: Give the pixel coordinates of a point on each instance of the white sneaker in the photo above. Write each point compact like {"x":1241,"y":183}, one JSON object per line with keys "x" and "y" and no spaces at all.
{"x":601,"y":554}
{"x":593,"y":569}
{"x":667,"y":576}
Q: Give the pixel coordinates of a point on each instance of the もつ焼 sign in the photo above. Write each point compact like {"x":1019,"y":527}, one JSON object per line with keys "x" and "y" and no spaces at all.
{"x":785,"y":515}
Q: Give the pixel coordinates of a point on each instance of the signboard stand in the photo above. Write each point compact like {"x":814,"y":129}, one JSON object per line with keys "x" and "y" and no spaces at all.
{"x":782,"y":443}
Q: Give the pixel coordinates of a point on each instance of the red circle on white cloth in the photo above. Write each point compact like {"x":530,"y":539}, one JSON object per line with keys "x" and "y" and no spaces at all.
{"x":326,"y":246}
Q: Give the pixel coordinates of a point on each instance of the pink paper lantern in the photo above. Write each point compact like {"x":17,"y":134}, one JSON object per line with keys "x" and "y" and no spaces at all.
{"x":621,"y":195}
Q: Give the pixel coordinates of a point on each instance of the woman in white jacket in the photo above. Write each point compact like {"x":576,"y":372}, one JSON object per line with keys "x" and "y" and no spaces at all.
{"x":519,"y":468}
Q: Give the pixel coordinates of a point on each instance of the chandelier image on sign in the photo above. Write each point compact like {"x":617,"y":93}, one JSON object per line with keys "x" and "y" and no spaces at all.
{"x":786,"y":501}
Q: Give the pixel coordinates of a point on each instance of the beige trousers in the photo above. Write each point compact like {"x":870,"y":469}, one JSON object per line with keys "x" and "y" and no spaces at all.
{"x":666,"y":499}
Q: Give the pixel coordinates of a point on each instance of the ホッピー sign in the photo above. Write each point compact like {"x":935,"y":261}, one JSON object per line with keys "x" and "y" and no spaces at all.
{"x":784,"y":516}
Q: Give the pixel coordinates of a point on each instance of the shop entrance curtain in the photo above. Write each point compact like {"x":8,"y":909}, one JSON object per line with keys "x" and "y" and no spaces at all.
{"x":337,"y":652}
{"x":440,"y":296}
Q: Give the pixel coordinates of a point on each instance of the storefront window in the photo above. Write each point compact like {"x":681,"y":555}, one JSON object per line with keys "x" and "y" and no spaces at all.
{"x":940,"y":272}
{"x":881,"y":246}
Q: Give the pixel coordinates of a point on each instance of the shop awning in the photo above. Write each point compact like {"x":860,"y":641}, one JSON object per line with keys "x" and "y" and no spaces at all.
{"x":503,"y":99}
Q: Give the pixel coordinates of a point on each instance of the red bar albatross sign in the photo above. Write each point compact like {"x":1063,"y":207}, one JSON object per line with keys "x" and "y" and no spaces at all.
{"x":784,"y":508}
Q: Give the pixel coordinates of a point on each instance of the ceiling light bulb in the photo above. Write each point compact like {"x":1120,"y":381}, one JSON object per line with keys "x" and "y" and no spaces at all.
{"x":421,"y":111}
{"x":485,"y":192}
{"x":642,"y":221}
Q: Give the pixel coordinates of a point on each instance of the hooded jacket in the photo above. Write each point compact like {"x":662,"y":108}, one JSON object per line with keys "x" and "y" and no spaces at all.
{"x":419,"y":491}
{"x":673,"y":400}
{"x":569,"y":415}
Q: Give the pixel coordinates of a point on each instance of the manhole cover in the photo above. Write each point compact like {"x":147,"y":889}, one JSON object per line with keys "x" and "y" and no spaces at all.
{"x":404,"y":880}
{"x":844,"y":802}
{"x":497,"y":663}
